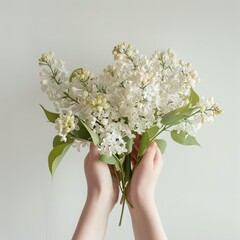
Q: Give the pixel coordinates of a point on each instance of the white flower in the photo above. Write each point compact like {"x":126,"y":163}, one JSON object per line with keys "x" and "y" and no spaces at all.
{"x":78,"y":144}
{"x":206,"y":103}
{"x":65,"y":124}
{"x":46,"y":58}
{"x":112,"y":144}
{"x":54,"y":80}
{"x":130,"y":96}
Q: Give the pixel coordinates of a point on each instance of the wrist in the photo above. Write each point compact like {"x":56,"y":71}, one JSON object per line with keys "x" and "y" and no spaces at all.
{"x":140,"y":212}
{"x":142,"y":205}
{"x":100,"y":199}
{"x":141,"y":199}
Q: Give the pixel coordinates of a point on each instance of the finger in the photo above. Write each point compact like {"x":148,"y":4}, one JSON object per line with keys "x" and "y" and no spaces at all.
{"x":158,"y":159}
{"x":113,"y":173}
{"x":148,"y":157}
{"x":93,"y":157}
{"x":86,"y":161}
{"x":94,"y":153}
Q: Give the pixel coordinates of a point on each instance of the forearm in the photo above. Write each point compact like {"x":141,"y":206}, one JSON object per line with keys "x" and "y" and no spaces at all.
{"x":93,"y":220}
{"x":146,"y":222}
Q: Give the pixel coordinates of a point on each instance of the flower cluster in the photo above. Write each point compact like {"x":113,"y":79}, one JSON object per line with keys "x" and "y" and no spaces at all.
{"x":129,"y":97}
{"x":65,"y":124}
{"x":54,"y":80}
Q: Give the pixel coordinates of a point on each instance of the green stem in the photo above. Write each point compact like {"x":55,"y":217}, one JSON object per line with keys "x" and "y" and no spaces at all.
{"x":123,"y":206}
{"x":124,"y":193}
{"x":123,"y":189}
{"x":163,"y":129}
{"x":119,"y":184}
{"x":131,"y":59}
{"x":130,"y":204}
{"x":68,"y":96}
{"x":166,"y":127}
{"x":54,"y":74}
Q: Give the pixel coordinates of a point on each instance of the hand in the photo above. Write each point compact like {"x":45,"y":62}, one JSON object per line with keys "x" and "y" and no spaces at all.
{"x":145,"y":175}
{"x":141,"y":190}
{"x":101,"y":198}
{"x":101,"y":180}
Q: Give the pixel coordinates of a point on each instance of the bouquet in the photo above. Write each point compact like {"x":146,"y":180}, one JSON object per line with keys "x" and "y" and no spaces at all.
{"x":137,"y":95}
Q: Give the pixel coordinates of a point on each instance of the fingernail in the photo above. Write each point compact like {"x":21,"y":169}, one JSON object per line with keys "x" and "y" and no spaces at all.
{"x":92,"y":146}
{"x":153,"y":144}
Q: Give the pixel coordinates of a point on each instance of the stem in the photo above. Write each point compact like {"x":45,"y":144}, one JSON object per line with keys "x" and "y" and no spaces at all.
{"x":163,"y":129}
{"x":193,"y":114}
{"x":53,"y":73}
{"x":124,"y":194}
{"x":116,"y":174}
{"x":131,"y":59}
{"x":130,"y":204}
{"x":123,"y":187}
{"x":123,"y":205}
{"x":68,"y":96}
{"x":166,"y":127}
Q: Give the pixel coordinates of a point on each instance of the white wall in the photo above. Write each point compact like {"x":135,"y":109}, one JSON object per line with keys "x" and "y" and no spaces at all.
{"x":198,"y":193}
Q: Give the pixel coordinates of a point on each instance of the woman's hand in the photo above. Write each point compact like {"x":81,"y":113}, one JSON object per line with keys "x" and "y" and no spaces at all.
{"x":145,"y":175}
{"x":141,"y":193}
{"x":101,"y":197}
{"x":101,"y":179}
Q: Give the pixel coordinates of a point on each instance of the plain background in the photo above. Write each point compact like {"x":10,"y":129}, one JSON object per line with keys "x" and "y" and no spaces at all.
{"x":198,"y":193}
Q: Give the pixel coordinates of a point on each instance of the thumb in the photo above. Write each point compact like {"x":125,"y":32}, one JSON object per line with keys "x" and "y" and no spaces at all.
{"x":148,"y":157}
{"x":93,"y":152}
{"x":158,"y":159}
{"x":93,"y":149}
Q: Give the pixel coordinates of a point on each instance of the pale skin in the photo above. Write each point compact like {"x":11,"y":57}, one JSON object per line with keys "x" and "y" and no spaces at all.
{"x":103,"y":195}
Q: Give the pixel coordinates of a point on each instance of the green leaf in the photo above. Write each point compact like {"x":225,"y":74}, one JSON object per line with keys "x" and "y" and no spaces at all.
{"x":144,"y":144}
{"x":176,"y":116}
{"x":94,"y":136}
{"x":129,"y":144}
{"x":194,"y":98}
{"x":108,"y":159}
{"x":162,"y":144}
{"x":152,"y":132}
{"x":56,"y":155}
{"x":82,"y":132}
{"x":57,"y":141}
{"x":183,"y":138}
{"x":50,"y":115}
